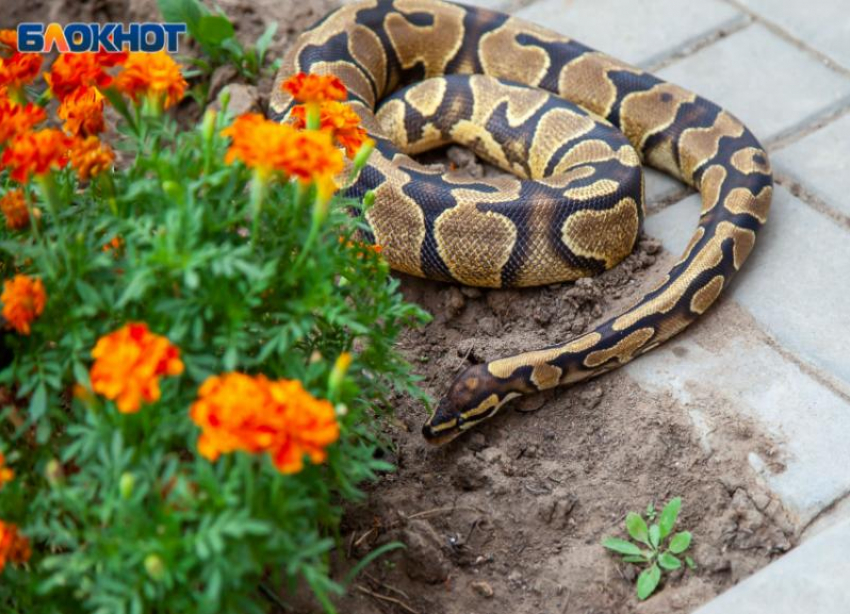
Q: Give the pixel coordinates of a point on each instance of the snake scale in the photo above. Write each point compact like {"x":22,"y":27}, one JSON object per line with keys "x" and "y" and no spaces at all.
{"x":574,"y":126}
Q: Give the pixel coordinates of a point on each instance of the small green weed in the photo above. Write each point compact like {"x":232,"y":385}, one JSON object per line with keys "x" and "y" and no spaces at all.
{"x":216,"y":36}
{"x":656,"y":552}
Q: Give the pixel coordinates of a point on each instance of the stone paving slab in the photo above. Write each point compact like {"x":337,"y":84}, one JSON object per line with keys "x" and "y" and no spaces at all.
{"x":764,"y":80}
{"x":792,"y":284}
{"x":493,"y":5}
{"x":821,"y":24}
{"x":821,"y":162}
{"x":659,"y":186}
{"x":719,"y":370}
{"x":629,"y":29}
{"x":811,"y":579}
{"x":838,"y":513}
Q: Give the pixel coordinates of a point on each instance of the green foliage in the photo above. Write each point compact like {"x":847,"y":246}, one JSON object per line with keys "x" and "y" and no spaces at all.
{"x":651,"y":547}
{"x":123,"y":514}
{"x":217,"y":39}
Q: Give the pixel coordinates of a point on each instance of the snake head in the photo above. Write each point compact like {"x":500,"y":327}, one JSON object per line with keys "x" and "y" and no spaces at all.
{"x":474,"y":396}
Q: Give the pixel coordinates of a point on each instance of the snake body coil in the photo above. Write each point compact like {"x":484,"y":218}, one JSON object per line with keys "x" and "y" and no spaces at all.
{"x":544,"y":107}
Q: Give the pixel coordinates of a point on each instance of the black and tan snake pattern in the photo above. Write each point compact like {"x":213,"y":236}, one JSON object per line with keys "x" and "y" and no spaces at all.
{"x":573,"y":125}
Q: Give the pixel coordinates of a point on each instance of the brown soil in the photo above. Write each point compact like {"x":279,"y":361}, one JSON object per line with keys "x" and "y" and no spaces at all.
{"x":508,"y":519}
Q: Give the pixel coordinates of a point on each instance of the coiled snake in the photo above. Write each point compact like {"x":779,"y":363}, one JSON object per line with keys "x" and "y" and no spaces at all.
{"x":573,"y":124}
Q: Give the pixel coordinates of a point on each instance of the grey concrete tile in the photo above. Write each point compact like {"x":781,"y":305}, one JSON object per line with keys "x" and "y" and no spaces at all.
{"x":823,"y":24}
{"x":659,"y":186}
{"x":790,"y":276}
{"x":768,"y":83}
{"x":636,"y":31}
{"x":811,"y":579}
{"x":795,"y":284}
{"x":838,"y":513}
{"x":675,"y":224}
{"x":792,"y":283}
{"x":821,"y":163}
{"x":722,"y":366}
{"x":493,"y":5}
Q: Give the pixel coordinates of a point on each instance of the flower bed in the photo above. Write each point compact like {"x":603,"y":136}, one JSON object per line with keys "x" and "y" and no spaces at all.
{"x":195,"y":347}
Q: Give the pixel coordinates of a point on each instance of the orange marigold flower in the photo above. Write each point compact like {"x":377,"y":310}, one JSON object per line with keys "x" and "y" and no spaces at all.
{"x":114,"y":245}
{"x":257,"y":142}
{"x":340,"y":120}
{"x":14,"y":547}
{"x":90,"y":157}
{"x":312,"y":155}
{"x":20,"y":69}
{"x":256,"y":415}
{"x":311,"y":427}
{"x":36,"y":153}
{"x":152,"y":75}
{"x":364,"y":248}
{"x":9,"y":39}
{"x":109,"y":59}
{"x":16,"y":119}
{"x":306,"y":87}
{"x":82,"y":111}
{"x":23,"y":301}
{"x":71,"y":71}
{"x":14,"y":208}
{"x":129,"y":363}
{"x":6,"y":473}
{"x":16,"y":69}
{"x":268,"y":146}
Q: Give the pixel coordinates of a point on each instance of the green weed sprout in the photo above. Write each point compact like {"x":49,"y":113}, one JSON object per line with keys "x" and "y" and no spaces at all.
{"x":654,"y":551}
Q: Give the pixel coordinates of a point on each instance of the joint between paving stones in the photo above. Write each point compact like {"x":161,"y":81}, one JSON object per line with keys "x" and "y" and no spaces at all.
{"x":790,"y":38}
{"x":815,"y":202}
{"x":818,"y":375}
{"x":826,"y":511}
{"x":689,"y":48}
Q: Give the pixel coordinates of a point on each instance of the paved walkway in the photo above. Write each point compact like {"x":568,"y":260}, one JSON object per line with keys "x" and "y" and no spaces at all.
{"x":783,"y":67}
{"x":807,"y":580}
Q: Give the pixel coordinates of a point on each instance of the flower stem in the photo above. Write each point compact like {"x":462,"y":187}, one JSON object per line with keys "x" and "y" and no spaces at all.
{"x":152,"y":105}
{"x":34,"y":222}
{"x":320,"y":214}
{"x":360,"y":160}
{"x":259,"y":185}
{"x":108,"y":186}
{"x":314,"y":116}
{"x":208,"y":134}
{"x":50,"y":194}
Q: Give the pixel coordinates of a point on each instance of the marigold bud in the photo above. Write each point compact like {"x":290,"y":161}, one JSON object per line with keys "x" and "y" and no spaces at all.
{"x":341,"y":365}
{"x":54,"y":472}
{"x":126,"y":484}
{"x":208,"y":125}
{"x":173,"y":190}
{"x":155,"y":567}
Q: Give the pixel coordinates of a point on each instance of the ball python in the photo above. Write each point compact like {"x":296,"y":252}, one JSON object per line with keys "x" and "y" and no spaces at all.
{"x":574,"y":126}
